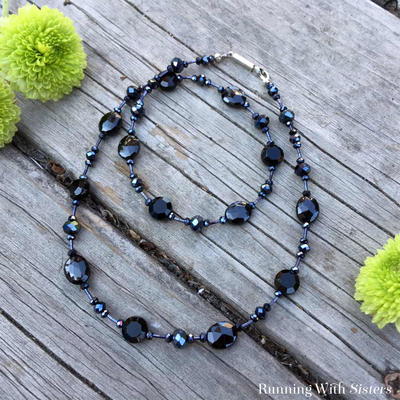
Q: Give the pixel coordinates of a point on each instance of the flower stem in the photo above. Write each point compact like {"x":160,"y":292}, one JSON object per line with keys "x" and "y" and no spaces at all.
{"x":5,"y":8}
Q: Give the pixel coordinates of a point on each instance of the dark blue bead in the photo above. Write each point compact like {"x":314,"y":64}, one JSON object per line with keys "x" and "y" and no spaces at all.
{"x":110,"y":123}
{"x":179,"y":338}
{"x":133,"y":92}
{"x":272,"y":90}
{"x":261,"y":122}
{"x":302,"y":169}
{"x":99,"y":307}
{"x":260,"y":312}
{"x":177,"y":64}
{"x":76,"y":270}
{"x":286,"y":116}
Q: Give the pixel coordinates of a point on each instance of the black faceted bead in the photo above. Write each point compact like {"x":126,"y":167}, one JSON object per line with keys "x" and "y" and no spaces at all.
{"x":261,"y":122}
{"x":90,"y":155}
{"x":266,"y":188}
{"x":177,"y":64}
{"x":152,"y":83}
{"x":160,"y":208}
{"x":71,"y":227}
{"x":136,"y":182}
{"x":273,"y":90}
{"x":129,"y":147}
{"x":260,"y":312}
{"x":79,"y":189}
{"x":167,"y":80}
{"x":134,"y":329}
{"x":137,"y":110}
{"x":302,"y":169}
{"x":99,"y":307}
{"x":110,"y":122}
{"x":286,"y":116}
{"x":272,"y":155}
{"x":233,"y":96}
{"x":238,"y":212}
{"x":133,"y":92}
{"x":222,"y":335}
{"x":197,"y":223}
{"x":179,"y":338}
{"x":307,"y":209}
{"x":76,"y":270}
{"x":286,"y":282}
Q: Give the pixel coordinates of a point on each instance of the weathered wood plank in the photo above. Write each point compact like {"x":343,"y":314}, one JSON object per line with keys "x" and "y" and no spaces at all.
{"x":342,"y":190}
{"x":27,"y":372}
{"x":34,"y":290}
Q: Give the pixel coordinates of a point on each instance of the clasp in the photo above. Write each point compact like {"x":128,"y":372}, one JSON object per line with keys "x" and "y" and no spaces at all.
{"x":259,"y":71}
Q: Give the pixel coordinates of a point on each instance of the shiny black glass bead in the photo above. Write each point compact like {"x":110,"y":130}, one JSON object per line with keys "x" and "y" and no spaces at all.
{"x":71,"y":227}
{"x":273,"y":90}
{"x":137,"y":110}
{"x":266,"y":188}
{"x":110,"y":123}
{"x":307,"y":209}
{"x":177,"y":64}
{"x":260,"y":312}
{"x":197,"y":223}
{"x":222,"y":335}
{"x":287,"y":282}
{"x":79,"y":189}
{"x":134,"y":329}
{"x":179,"y":338}
{"x":90,"y":155}
{"x":302,"y":169}
{"x":272,"y":155}
{"x":167,"y":80}
{"x":152,"y":83}
{"x":238,"y":212}
{"x":99,"y":307}
{"x":76,"y":270}
{"x":129,"y":147}
{"x":261,"y":122}
{"x":286,"y":116}
{"x":136,"y":182}
{"x":233,"y":96}
{"x":133,"y":92}
{"x":160,"y":208}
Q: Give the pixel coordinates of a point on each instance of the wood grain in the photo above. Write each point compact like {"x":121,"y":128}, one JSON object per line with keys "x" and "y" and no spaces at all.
{"x":336,"y":64}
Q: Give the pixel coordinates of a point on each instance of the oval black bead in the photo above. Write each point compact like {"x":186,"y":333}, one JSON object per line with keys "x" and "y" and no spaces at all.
{"x":287,"y":282}
{"x":233,"y":96}
{"x":160,"y":208}
{"x":71,"y":227}
{"x":179,"y":338}
{"x":238,"y":212}
{"x":79,"y":189}
{"x":110,"y":122}
{"x":262,"y":121}
{"x":307,"y":209}
{"x":177,"y":64}
{"x":134,"y":329}
{"x":76,"y":270}
{"x":222,"y":335}
{"x":133,"y":92}
{"x":272,"y":155}
{"x":302,"y":169}
{"x":129,"y":147}
{"x":167,"y":80}
{"x":286,"y":116}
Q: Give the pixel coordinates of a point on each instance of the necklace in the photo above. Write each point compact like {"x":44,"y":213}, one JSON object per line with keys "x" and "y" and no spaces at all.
{"x":76,"y":269}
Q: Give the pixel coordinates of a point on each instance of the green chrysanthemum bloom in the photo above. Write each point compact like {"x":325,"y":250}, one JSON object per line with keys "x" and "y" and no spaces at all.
{"x":41,"y":54}
{"x":378,"y":285}
{"x":9,"y":114}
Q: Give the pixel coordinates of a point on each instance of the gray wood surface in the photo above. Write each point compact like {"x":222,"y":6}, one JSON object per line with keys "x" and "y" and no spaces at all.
{"x":336,"y":64}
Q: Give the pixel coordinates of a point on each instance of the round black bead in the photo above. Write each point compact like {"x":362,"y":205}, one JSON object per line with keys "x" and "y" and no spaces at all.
{"x":99,"y":307}
{"x":272,"y":155}
{"x":71,"y":227}
{"x":233,"y":96}
{"x":266,"y":188}
{"x":160,"y":208}
{"x":76,"y":270}
{"x":197,"y":223}
{"x":286,"y":116}
{"x":90,"y":155}
{"x":238,"y":212}
{"x":133,"y":92}
{"x":177,"y":64}
{"x":261,"y":122}
{"x":273,"y":90}
{"x":267,"y":307}
{"x":129,"y":147}
{"x":179,"y":338}
{"x":307,"y":209}
{"x":136,"y":182}
{"x":134,"y":329}
{"x":222,"y":335}
{"x":79,"y":189}
{"x":167,"y":80}
{"x":302,"y":169}
{"x":110,"y":122}
{"x":260,"y":312}
{"x":287,"y":282}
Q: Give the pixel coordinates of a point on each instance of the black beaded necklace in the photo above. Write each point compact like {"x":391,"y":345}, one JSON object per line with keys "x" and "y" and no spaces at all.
{"x":222,"y":334}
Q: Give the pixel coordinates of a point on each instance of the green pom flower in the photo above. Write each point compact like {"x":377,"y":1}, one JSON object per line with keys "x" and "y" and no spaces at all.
{"x":41,"y":54}
{"x":9,"y":114}
{"x":378,"y":285}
